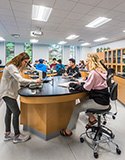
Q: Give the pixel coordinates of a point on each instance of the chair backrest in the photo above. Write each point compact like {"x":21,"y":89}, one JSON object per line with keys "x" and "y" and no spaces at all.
{"x":113,"y":91}
{"x":111,"y":71}
{"x":109,"y":80}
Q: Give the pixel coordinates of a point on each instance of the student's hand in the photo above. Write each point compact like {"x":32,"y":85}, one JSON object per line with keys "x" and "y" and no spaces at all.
{"x":79,"y":83}
{"x":65,"y":74}
{"x":38,"y":80}
{"x":84,"y":78}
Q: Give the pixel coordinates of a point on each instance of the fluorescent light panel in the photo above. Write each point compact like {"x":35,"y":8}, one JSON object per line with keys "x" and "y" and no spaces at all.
{"x":85,"y":44}
{"x":62,"y":42}
{"x":123,"y":30}
{"x":98,"y":22}
{"x":2,"y":39}
{"x":100,"y":39}
{"x":41,"y":13}
{"x":71,"y":37}
{"x":34,"y":40}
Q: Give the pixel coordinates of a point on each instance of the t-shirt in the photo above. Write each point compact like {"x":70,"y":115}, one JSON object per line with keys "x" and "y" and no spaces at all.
{"x":73,"y":71}
{"x":53,"y":66}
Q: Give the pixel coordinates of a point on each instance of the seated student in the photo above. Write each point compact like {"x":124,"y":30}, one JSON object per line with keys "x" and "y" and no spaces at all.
{"x":41,"y":66}
{"x":47,"y":65}
{"x":53,"y":65}
{"x":36,"y":62}
{"x":81,"y":64}
{"x":60,"y":67}
{"x":98,"y":97}
{"x":72,"y":70}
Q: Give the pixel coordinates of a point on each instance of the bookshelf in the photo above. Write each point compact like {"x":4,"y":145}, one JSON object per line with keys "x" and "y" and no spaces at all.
{"x":114,"y":58}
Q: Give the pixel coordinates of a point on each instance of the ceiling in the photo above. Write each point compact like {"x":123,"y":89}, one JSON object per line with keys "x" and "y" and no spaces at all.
{"x":67,"y":17}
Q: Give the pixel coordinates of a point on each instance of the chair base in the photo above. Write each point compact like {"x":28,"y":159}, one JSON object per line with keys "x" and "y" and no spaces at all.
{"x":99,"y":134}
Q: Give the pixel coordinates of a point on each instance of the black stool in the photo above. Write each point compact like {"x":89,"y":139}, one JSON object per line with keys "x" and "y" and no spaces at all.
{"x":100,"y":133}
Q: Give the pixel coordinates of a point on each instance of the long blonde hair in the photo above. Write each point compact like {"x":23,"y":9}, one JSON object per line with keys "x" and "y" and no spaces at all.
{"x":94,"y":63}
{"x":18,"y":59}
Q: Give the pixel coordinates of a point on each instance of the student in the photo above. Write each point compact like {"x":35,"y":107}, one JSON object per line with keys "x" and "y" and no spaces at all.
{"x":60,"y":67}
{"x":36,"y":62}
{"x":41,"y":66}
{"x":81,"y":64}
{"x":53,"y":65}
{"x":98,"y":97}
{"x":72,"y":70}
{"x":9,"y":87}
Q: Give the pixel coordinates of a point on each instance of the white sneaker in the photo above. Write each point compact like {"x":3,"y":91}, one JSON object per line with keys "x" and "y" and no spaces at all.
{"x":8,"y":137}
{"x":21,"y":138}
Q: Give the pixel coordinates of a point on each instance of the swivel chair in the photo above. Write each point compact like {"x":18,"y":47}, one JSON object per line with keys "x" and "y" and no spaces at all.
{"x":100,"y":133}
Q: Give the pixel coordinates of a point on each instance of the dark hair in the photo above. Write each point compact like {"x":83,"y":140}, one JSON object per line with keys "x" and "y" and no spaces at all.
{"x":18,"y":59}
{"x":72,"y":60}
{"x":60,"y":61}
{"x":36,"y":60}
{"x":54,"y":59}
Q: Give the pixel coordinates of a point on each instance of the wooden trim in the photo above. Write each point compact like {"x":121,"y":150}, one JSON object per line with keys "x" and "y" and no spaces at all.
{"x":51,"y":99}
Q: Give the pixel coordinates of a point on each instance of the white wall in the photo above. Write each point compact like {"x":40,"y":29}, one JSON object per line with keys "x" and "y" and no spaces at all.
{"x":40,"y":52}
{"x":112,"y":45}
{"x":85,"y":51}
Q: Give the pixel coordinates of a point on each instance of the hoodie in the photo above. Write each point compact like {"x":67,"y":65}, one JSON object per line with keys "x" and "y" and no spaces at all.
{"x":97,"y":86}
{"x":41,"y":67}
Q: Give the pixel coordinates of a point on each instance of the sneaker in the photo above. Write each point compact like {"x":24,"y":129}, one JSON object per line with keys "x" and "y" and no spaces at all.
{"x":8,"y":137}
{"x":21,"y":138}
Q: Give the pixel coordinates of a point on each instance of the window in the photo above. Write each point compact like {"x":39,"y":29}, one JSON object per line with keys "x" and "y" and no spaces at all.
{"x":73,"y":52}
{"x":28,"y":49}
{"x":55,"y":51}
{"x":9,"y":51}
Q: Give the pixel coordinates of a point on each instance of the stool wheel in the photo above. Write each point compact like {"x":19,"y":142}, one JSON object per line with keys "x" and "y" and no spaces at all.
{"x":96,"y":155}
{"x":81,"y":140}
{"x":118,"y":151}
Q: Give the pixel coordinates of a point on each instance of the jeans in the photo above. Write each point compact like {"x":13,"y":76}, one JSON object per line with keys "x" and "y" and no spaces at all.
{"x":12,"y":108}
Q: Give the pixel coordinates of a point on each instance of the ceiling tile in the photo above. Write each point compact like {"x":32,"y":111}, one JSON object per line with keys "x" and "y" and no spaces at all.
{"x":91,"y":2}
{"x":6,"y":12}
{"x":23,"y":1}
{"x":82,"y":8}
{"x":5,"y":4}
{"x":64,"y":5}
{"x":75,"y":16}
{"x":22,"y":14}
{"x":59,"y":13}
{"x":21,"y":6}
{"x":97,"y":11}
{"x":109,"y":4}
{"x":120,"y":8}
{"x":47,"y":3}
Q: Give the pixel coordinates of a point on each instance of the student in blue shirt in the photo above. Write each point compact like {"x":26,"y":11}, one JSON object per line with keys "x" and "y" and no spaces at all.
{"x":41,"y":66}
{"x":60,"y":67}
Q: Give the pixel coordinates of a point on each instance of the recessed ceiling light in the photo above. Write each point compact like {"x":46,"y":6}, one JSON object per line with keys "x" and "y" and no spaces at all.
{"x":62,"y":42}
{"x":85,"y":44}
{"x":15,"y":35}
{"x":100,"y":39}
{"x":123,"y":30}
{"x":2,"y":39}
{"x":40,"y":13}
{"x":98,"y":22}
{"x":71,"y":37}
{"x":34,"y":40}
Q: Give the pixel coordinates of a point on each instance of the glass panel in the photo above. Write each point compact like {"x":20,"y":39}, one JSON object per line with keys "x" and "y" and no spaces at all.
{"x":105,"y":57}
{"x":28,"y":49}
{"x":123,"y":57}
{"x":114,"y":68}
{"x":55,"y":51}
{"x":9,"y":51}
{"x":109,"y":56}
{"x":118,"y":68}
{"x":118,"y":56}
{"x":114,"y":56}
{"x":109,"y":66}
{"x":73,"y":52}
{"x":123,"y":68}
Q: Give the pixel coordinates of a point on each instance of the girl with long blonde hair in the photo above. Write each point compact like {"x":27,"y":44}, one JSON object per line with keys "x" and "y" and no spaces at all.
{"x":98,"y":96}
{"x":9,"y":86}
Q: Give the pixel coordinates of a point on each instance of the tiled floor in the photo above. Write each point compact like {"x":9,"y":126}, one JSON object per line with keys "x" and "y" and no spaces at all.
{"x":64,"y":148}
